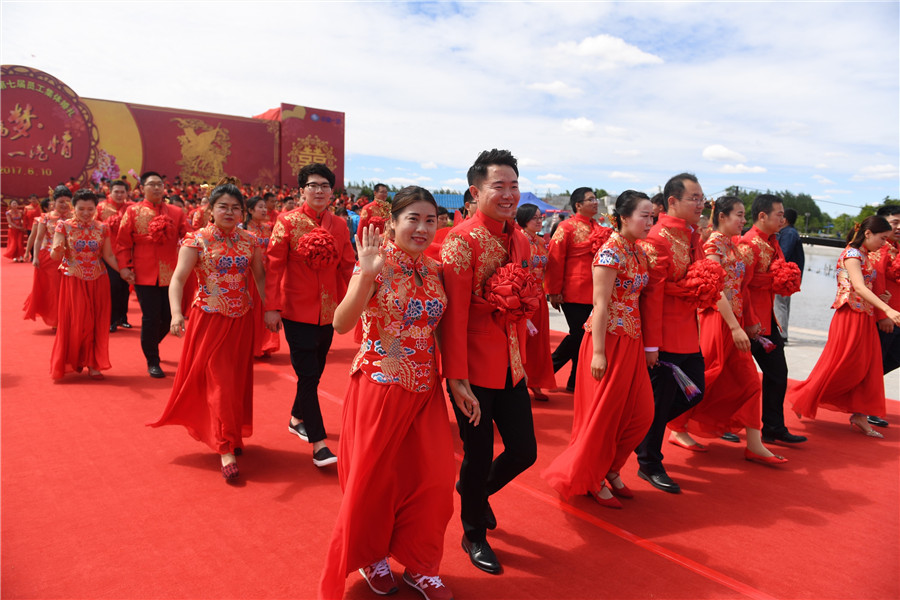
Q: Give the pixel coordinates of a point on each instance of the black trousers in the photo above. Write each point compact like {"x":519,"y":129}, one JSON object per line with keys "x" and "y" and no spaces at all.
{"x":156,"y":319}
{"x":309,"y":345}
{"x":774,"y":382}
{"x":576,"y":315}
{"x":481,"y":474}
{"x":118,"y":291}
{"x":890,"y":349}
{"x":668,"y":402}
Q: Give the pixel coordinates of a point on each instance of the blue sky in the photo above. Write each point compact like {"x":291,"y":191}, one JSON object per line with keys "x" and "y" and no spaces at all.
{"x":799,"y":96}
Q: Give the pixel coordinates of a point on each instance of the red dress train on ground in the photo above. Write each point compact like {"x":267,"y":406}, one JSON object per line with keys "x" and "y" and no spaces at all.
{"x":212,"y":396}
{"x":82,"y":335}
{"x":15,"y":239}
{"x":848,"y":375}
{"x":396,"y":450}
{"x":612,"y":415}
{"x":44,"y":296}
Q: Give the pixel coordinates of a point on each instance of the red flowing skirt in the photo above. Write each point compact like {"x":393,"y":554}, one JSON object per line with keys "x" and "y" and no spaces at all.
{"x":213,"y":391}
{"x":538,"y":364}
{"x":848,"y":376}
{"x":397,"y":471}
{"x":732,"y":399}
{"x":44,"y":295}
{"x":15,"y":245}
{"x":264,"y":339}
{"x":611,"y":417}
{"x":82,"y":337}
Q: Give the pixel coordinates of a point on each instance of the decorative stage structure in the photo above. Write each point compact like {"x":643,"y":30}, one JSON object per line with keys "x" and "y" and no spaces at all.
{"x":50,"y":134}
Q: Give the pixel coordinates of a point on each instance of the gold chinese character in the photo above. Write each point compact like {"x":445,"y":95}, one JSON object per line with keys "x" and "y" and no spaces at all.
{"x":20,"y":120}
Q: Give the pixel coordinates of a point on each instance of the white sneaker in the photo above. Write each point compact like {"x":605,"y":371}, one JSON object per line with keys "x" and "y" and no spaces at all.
{"x":379,"y":577}
{"x":430,"y":587}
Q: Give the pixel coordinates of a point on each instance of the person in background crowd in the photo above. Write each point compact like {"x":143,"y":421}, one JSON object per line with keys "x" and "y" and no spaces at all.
{"x":660,"y":206}
{"x":482,"y":357}
{"x":704,"y":229}
{"x":846,"y":377}
{"x":32,"y":236}
{"x":310,"y":262}
{"x":82,"y":337}
{"x":212,"y":395}
{"x":32,"y":212}
{"x":443,"y":218}
{"x":200,"y":216}
{"x":378,"y":211}
{"x":271,"y":199}
{"x":288,"y":204}
{"x":670,"y":331}
{"x":265,"y":341}
{"x":568,"y":276}
{"x":538,"y":365}
{"x":613,"y":405}
{"x":147,"y":252}
{"x":110,"y":211}
{"x":44,"y":297}
{"x":394,"y":417}
{"x":768,"y":214}
{"x":15,"y":241}
{"x":789,"y":240}
{"x":888,"y":280}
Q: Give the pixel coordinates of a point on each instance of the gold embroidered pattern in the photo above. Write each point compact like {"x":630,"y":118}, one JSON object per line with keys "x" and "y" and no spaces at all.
{"x":456,"y":253}
{"x":327,"y":307}
{"x":559,"y":234}
{"x":142,"y":217}
{"x":492,"y":256}
{"x":581,"y":232}
{"x":301,"y":224}
{"x":765,"y":253}
{"x":515,"y":357}
{"x":681,"y":250}
{"x":651,"y":252}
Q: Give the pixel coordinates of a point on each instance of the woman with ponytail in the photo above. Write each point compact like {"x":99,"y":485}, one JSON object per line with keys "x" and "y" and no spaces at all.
{"x":847,"y":377}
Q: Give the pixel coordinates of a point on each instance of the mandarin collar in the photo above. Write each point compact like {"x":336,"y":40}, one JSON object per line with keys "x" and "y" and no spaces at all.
{"x":407,"y":263}
{"x":759,"y":233}
{"x":220,"y":233}
{"x":492,"y":225}
{"x":582,"y":218}
{"x":307,"y":210}
{"x":667,"y":220}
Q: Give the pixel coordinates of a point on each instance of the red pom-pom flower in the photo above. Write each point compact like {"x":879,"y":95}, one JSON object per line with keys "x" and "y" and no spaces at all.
{"x":785,"y":277}
{"x":598,"y":237}
{"x":378,"y":222}
{"x":703,"y":283}
{"x":318,"y":248}
{"x":513,"y":291}
{"x":892,"y":271}
{"x":161,"y":228}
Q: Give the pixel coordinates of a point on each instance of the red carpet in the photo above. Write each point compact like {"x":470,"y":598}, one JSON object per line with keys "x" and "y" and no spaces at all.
{"x":96,"y":505}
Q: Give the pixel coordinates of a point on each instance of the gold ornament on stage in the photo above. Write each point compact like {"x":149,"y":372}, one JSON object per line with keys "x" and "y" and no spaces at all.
{"x":310,"y":150}
{"x":204,"y":150}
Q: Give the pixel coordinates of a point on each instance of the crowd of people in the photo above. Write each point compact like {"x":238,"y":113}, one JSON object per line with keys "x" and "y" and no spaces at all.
{"x":666,"y":317}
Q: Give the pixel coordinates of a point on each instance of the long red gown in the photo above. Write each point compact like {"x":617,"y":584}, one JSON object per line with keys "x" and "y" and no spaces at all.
{"x":848,"y":375}
{"x":396,"y":466}
{"x":733,"y":397}
{"x":44,"y":296}
{"x":15,"y":240}
{"x":264,"y":339}
{"x":212,"y":396}
{"x":538,"y":364}
{"x":612,"y":415}
{"x":82,"y":337}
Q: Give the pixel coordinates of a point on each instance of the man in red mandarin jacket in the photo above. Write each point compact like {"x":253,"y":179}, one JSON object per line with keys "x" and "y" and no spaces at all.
{"x":882,"y":259}
{"x":483,"y":353}
{"x":110,"y":211}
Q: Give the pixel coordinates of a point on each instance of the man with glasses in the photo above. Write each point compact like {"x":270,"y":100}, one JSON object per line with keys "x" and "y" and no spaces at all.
{"x":147,"y":252}
{"x":568,"y":276}
{"x":669,"y":322}
{"x":305,"y":282}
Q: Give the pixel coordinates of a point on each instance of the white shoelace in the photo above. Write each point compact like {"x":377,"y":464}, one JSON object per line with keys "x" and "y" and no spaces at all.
{"x":382,"y":569}
{"x":434,"y":582}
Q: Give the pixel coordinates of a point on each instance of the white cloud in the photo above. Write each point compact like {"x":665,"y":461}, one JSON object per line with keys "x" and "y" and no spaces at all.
{"x":607,"y":52}
{"x":579,"y":125}
{"x":721,"y":153}
{"x":529,"y":162}
{"x":556,"y":88}
{"x":838,"y":191}
{"x":823,"y":180}
{"x":876,"y":172}
{"x":836,"y":155}
{"x":551,"y":177}
{"x":628,"y":153}
{"x":614,"y":131}
{"x":404,"y":181}
{"x":821,"y":197}
{"x":741,"y":168}
{"x":429,"y":165}
{"x":624,"y":176}
{"x":821,"y":166}
{"x":549,"y":186}
{"x":456,"y":182}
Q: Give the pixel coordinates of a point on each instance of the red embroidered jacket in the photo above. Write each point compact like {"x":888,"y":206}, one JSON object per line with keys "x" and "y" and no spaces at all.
{"x":152,"y":259}
{"x":569,"y":263}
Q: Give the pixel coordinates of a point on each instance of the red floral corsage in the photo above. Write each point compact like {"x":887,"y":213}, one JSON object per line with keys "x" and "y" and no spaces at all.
{"x":513,"y":291}
{"x":598,"y":237}
{"x":785,"y":277}
{"x":318,"y":248}
{"x":703,"y":283}
{"x":161,"y":228}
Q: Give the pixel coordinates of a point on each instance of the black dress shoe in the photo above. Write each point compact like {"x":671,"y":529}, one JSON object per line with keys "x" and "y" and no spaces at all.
{"x":482,"y":556}
{"x":731,"y":437}
{"x":784,"y":436}
{"x":877,"y":421}
{"x":113,"y":328}
{"x":155,"y":372}
{"x":125,"y":325}
{"x":661,"y":481}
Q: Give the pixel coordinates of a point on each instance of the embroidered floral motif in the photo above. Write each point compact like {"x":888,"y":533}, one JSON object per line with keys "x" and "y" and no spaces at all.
{"x":680,"y":241}
{"x":539,"y":254}
{"x":845,"y":292}
{"x":456,"y":253}
{"x":223,"y":270}
{"x":735,"y":268}
{"x":630,"y":262}
{"x":493,"y":254}
{"x":765,"y":253}
{"x":84,"y":245}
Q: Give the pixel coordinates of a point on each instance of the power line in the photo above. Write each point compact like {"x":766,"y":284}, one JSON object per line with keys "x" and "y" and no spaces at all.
{"x":749,"y":189}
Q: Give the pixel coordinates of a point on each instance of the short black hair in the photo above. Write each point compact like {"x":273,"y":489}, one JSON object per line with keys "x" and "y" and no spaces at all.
{"x":887,"y":210}
{"x":148,"y":174}
{"x":525,"y":213}
{"x":314,"y":169}
{"x":578,"y":196}
{"x":268,"y":195}
{"x":84,"y":194}
{"x":763,"y":204}
{"x":478,"y":170}
{"x":379,"y":186}
{"x":441,"y":210}
{"x":626,"y":204}
{"x":118,"y":182}
{"x":61,"y":191}
{"x":660,"y":200}
{"x":790,"y":215}
{"x":467,"y":198}
{"x":675,"y":186}
{"x":723,"y":206}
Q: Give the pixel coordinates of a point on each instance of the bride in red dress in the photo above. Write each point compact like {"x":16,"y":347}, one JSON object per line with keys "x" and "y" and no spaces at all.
{"x":538,"y":365}
{"x":733,"y":396}
{"x":613,"y":398}
{"x":44,"y":296}
{"x":848,"y":375}
{"x":265,"y":341}
{"x":15,"y":241}
{"x":396,"y":450}
{"x":212,"y":395}
{"x":82,"y":337}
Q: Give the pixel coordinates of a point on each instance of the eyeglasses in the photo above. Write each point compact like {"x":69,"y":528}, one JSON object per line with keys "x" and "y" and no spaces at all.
{"x":228,"y":208}
{"x":537,"y":217}
{"x":315,"y":187}
{"x":695,"y":199}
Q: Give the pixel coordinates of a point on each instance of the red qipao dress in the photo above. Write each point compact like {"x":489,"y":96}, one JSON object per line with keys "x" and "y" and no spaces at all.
{"x":264,"y":339}
{"x":538,"y":365}
{"x":15,"y":241}
{"x":44,"y":296}
{"x":82,"y":337}
{"x":848,"y":375}
{"x":733,"y":397}
{"x":396,"y":466}
{"x":213,"y":391}
{"x":612,"y":415}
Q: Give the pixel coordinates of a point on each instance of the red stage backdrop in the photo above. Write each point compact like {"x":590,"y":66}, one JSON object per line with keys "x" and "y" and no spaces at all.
{"x":49,"y":134}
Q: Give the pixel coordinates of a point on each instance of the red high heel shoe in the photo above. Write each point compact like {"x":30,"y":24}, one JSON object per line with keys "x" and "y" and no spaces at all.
{"x":764,"y":460}
{"x":607,"y":502}
{"x":622,"y":492}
